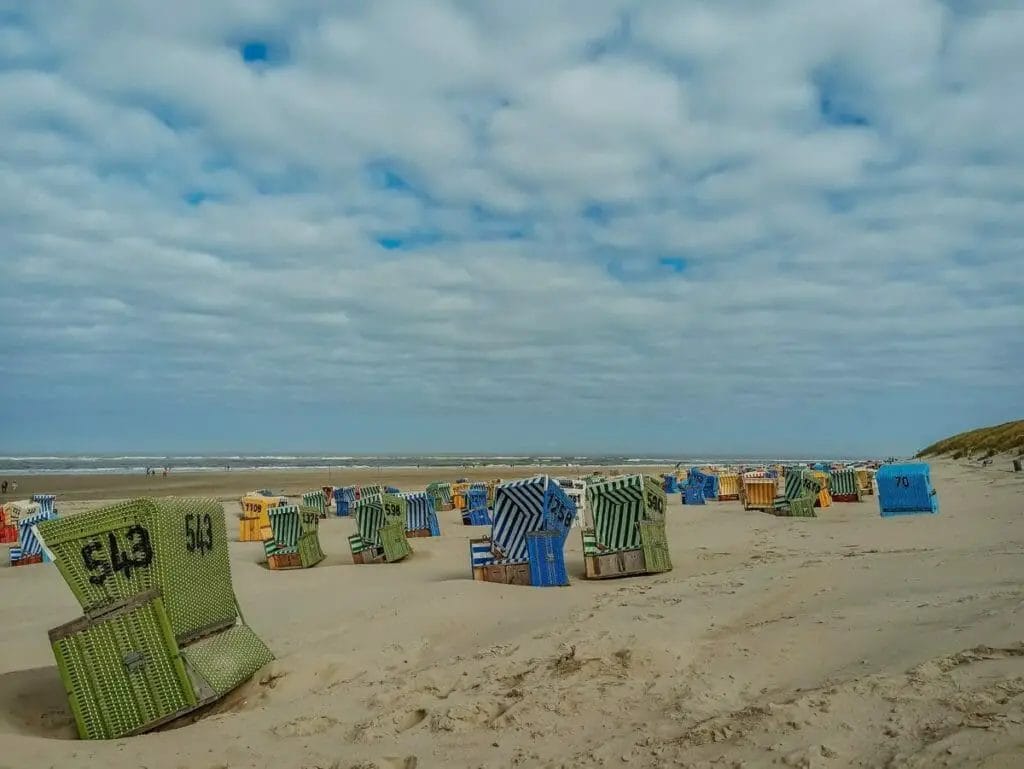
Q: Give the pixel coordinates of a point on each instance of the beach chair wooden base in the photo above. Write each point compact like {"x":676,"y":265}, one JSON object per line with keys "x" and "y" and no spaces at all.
{"x":846,"y":497}
{"x":418,"y":533}
{"x":28,"y":560}
{"x":503,"y":573}
{"x":728,"y":497}
{"x":369,"y":555}
{"x":625,"y":563}
{"x":249,"y":530}
{"x":284,"y":561}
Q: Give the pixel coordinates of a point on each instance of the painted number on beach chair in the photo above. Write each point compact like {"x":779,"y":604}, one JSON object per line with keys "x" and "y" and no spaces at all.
{"x":310,"y":518}
{"x":199,"y":533}
{"x":902,"y":480}
{"x":102,"y":565}
{"x":656,"y":503}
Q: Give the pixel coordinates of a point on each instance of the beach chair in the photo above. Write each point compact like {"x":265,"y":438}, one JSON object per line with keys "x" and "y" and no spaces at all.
{"x":46,"y":503}
{"x":526,"y":547}
{"x":30,"y":547}
{"x":344,"y":498}
{"x":800,"y":495}
{"x":824,"y":498}
{"x":161,"y":633}
{"x":693,"y":493}
{"x":865,"y":479}
{"x":729,"y":486}
{"x":442,"y":494}
{"x":576,"y":490}
{"x":706,"y":480}
{"x":670,"y":484}
{"x":8,"y":527}
{"x":294,"y":541}
{"x":628,"y":536}
{"x":370,"y":491}
{"x":253,"y":521}
{"x":760,"y":493}
{"x":381,"y":537}
{"x":420,"y":516}
{"x":906,"y":489}
{"x":459,"y":492}
{"x":843,"y":485}
{"x":475,"y":512}
{"x":317,"y":500}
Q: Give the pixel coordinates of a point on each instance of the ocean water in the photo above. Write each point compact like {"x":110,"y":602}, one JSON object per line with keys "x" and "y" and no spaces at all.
{"x":131,"y":463}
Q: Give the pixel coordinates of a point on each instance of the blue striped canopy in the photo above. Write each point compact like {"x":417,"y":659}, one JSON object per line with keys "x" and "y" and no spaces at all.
{"x":532,"y":504}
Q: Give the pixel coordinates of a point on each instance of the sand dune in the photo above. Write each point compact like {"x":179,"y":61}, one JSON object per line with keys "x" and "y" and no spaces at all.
{"x":841,"y":641}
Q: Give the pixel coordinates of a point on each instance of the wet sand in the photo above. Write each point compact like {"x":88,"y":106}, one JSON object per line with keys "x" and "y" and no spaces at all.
{"x":231,"y":484}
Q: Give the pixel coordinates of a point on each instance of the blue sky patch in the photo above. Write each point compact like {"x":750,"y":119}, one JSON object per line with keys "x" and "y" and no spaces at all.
{"x":840,"y":101}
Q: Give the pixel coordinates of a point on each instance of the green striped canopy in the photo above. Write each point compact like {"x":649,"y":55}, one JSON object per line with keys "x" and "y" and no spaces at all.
{"x":844,"y":482}
{"x":288,"y":523}
{"x":373,"y":513}
{"x":801,"y":483}
{"x":618,"y":505}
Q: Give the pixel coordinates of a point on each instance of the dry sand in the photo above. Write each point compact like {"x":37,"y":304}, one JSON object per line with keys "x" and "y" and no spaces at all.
{"x":843,"y":641}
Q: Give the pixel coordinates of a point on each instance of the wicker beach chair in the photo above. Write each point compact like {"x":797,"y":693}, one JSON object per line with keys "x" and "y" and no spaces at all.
{"x":475,"y":511}
{"x":628,"y":536}
{"x":526,"y":547}
{"x":294,"y":541}
{"x":161,"y":632}
{"x":420,"y":516}
{"x":844,"y":486}
{"x":254,"y":521}
{"x":316,"y":499}
{"x":380,"y":523}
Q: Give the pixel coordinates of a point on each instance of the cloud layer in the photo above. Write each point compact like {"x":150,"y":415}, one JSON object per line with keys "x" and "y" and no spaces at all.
{"x":586,"y":225}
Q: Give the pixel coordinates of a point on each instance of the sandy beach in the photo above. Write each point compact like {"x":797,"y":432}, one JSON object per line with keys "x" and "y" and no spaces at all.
{"x":842,"y":641}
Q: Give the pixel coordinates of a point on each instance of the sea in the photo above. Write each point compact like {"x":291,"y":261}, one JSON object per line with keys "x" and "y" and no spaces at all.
{"x":137,"y":463}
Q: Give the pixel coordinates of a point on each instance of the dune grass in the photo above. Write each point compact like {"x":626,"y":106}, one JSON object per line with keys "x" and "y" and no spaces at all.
{"x":984,"y":441}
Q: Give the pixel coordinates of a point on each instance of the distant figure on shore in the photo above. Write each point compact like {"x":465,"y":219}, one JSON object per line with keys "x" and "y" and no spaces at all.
{"x":14,"y":487}
{"x":165,"y":472}
{"x":3,"y":486}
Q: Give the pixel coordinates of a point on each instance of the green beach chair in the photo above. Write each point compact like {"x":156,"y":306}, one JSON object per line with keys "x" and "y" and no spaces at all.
{"x":161,"y":633}
{"x":628,"y":536}
{"x":380,"y":521}
{"x":295,"y":537}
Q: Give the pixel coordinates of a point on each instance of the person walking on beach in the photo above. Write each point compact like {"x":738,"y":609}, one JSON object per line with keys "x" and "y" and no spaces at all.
{"x":14,"y":487}
{"x":4,"y":486}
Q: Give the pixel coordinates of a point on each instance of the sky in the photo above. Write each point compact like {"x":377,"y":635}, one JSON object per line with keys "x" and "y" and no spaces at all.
{"x":588,"y":225}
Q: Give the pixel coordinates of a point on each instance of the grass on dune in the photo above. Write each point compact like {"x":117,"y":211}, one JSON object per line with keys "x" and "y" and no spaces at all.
{"x":984,"y":441}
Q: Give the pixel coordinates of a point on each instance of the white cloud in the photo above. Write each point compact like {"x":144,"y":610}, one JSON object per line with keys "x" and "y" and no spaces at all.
{"x":169,"y":211}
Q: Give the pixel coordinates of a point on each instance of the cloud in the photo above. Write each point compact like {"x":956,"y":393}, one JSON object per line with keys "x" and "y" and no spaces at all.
{"x":731,"y":227}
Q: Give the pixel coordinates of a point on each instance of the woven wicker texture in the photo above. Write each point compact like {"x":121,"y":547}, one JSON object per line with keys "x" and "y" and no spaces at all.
{"x":122,"y":672}
{"x":178,"y":545}
{"x":393,"y":540}
{"x":227,"y":659}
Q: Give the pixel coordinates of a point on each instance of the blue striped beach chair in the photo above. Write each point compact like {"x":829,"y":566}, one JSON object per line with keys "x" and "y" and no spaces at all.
{"x":532,"y":518}
{"x":475,"y":513}
{"x":28,"y":535}
{"x":46,"y":502}
{"x":344,"y":498}
{"x":420,"y":516}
